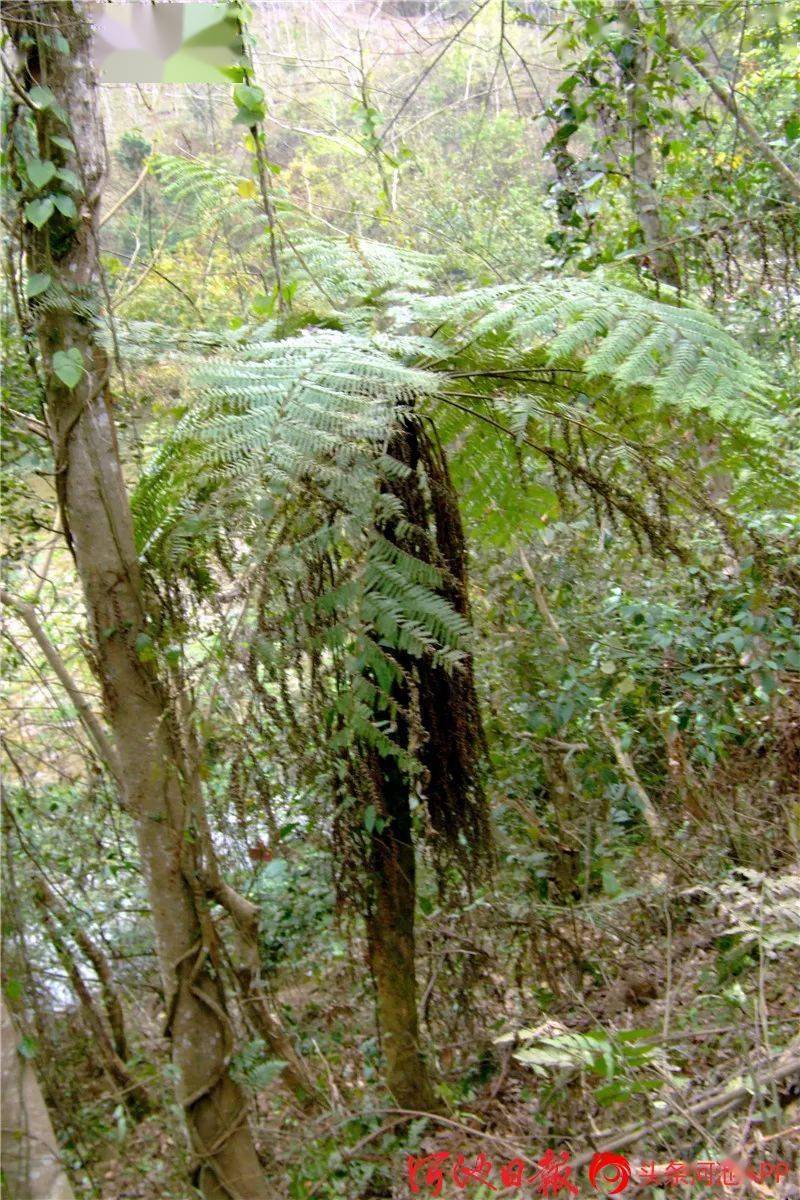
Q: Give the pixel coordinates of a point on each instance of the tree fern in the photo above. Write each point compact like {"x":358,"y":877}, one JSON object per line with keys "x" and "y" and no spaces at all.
{"x":287,"y":469}
{"x":315,"y":408}
{"x":680,"y":354}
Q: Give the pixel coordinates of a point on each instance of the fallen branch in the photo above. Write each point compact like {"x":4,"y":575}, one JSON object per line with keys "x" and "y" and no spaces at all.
{"x":625,"y":763}
{"x":718,"y":1102}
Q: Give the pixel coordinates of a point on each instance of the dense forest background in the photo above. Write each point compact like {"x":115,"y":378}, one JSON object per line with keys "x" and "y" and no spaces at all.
{"x":401,"y":584}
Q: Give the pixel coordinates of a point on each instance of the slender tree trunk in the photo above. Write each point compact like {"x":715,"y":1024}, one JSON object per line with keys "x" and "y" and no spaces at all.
{"x":159,"y":777}
{"x":644,"y":184}
{"x":112,"y":1002}
{"x":392,"y":951}
{"x":32,"y":1168}
{"x":132,"y":1094}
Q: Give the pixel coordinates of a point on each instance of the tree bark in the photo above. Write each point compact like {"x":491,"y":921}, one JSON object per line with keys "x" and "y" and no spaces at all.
{"x":32,"y":1168}
{"x":391,"y":942}
{"x":159,"y":777}
{"x":644,"y":186}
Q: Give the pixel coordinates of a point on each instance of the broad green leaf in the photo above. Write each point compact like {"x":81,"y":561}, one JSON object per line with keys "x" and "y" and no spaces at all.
{"x":249,"y":97}
{"x":65,"y":204}
{"x":40,"y":172}
{"x":37,"y":283}
{"x":39,"y":212}
{"x":41,"y":97}
{"x":62,"y":142}
{"x":68,"y":366}
{"x":69,"y":177}
{"x":370,"y":816}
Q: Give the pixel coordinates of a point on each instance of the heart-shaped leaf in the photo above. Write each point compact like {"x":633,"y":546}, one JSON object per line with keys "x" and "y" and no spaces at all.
{"x":41,"y":97}
{"x":65,"y":204}
{"x":68,"y":366}
{"x":246,"y":96}
{"x":62,"y":142}
{"x":69,"y":177}
{"x":37,"y":284}
{"x":40,"y":172}
{"x":39,"y":212}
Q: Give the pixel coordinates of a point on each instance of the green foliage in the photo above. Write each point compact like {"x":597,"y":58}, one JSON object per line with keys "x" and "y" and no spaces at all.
{"x":679,"y":353}
{"x":624,"y":1061}
{"x":296,"y":899}
{"x":68,"y":366}
{"x":253,"y":1069}
{"x":297,"y":599}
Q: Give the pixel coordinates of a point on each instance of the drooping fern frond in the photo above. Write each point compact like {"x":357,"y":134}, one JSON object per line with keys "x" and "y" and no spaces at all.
{"x":596,"y":380}
{"x":207,"y":189}
{"x":357,"y":270}
{"x":279,"y":412}
{"x":681,"y":355}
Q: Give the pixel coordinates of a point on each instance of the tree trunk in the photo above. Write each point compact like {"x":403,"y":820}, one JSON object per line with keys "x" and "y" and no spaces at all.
{"x":644,"y":188}
{"x":32,"y":1167}
{"x":132,"y":1094}
{"x":160,"y":780}
{"x":256,"y":1008}
{"x":390,"y":934}
{"x":111,"y":997}
{"x":447,"y":737}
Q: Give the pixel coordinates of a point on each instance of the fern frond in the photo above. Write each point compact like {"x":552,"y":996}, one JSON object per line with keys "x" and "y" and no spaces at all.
{"x":681,"y":355}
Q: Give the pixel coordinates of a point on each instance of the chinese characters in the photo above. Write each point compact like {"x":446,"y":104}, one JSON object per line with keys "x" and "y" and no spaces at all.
{"x":552,"y":1174}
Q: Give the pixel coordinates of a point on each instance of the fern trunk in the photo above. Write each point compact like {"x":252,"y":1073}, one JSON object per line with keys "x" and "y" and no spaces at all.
{"x":392,"y":950}
{"x":442,"y":727}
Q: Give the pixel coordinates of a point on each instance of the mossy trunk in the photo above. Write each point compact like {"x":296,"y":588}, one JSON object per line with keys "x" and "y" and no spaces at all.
{"x":390,"y":931}
{"x":159,"y":779}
